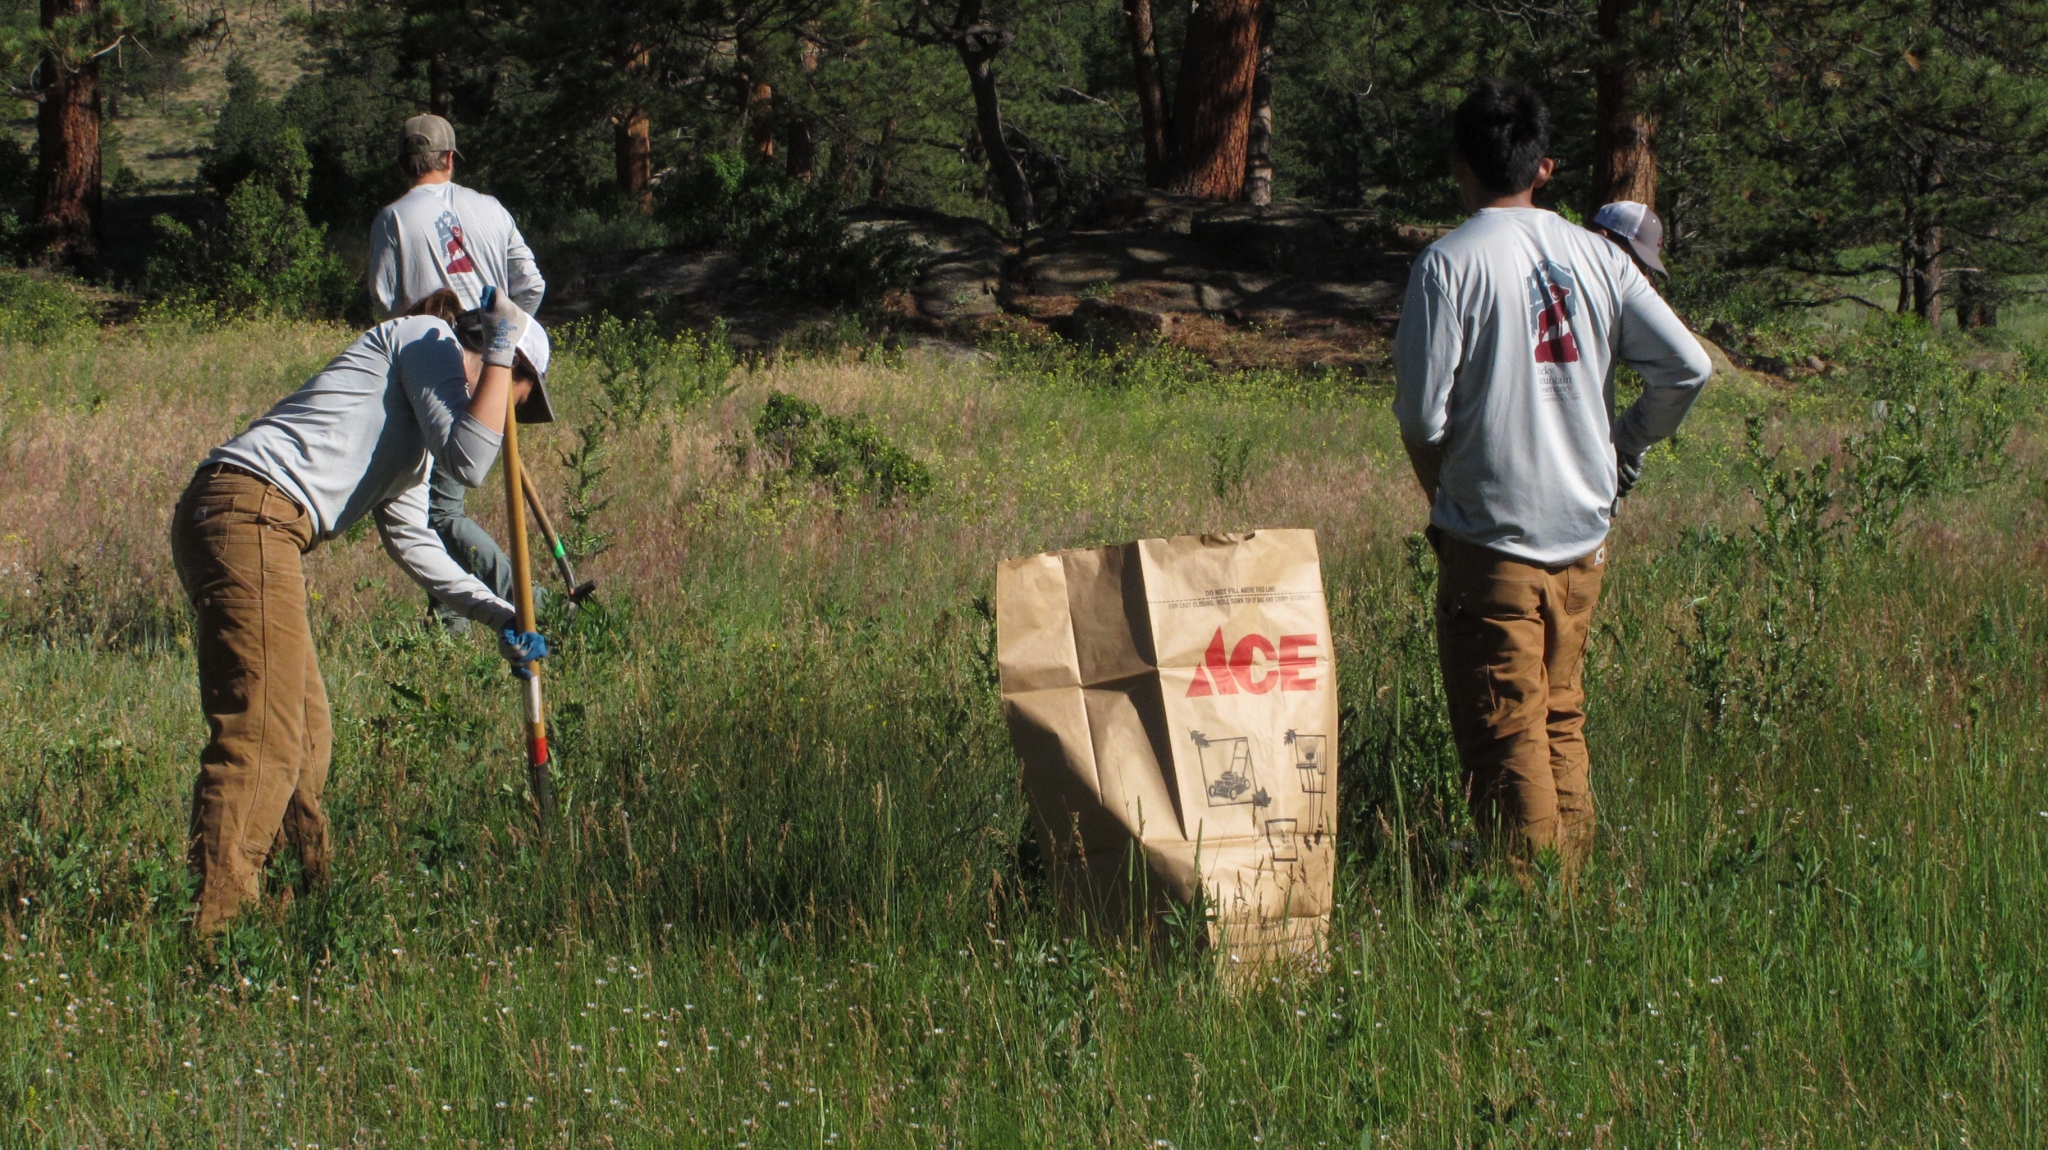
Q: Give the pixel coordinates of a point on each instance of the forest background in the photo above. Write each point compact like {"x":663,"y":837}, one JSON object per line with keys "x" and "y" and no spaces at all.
{"x":1883,"y":153}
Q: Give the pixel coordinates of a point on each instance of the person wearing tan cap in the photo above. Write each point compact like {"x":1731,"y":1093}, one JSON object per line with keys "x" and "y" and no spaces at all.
{"x":442,"y":235}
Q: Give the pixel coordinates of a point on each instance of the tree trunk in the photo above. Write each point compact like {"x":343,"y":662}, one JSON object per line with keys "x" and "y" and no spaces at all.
{"x":633,"y":154}
{"x":758,"y":98}
{"x":68,"y":151}
{"x":1927,"y":273}
{"x":437,"y":84}
{"x":803,"y":148}
{"x":979,"y":54}
{"x":1624,"y":138}
{"x":761,"y":118}
{"x":1258,"y":148}
{"x":1905,"y":276}
{"x":632,"y":142}
{"x":885,"y":163}
{"x":1974,"y":303}
{"x":1212,"y":104}
{"x":1152,"y":113}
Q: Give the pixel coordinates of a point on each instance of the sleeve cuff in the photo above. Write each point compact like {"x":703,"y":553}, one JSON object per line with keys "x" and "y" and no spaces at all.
{"x":1628,"y":439}
{"x":473,"y":447}
{"x":495,"y":615}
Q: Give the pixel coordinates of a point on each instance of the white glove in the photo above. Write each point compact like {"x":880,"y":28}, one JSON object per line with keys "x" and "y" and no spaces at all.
{"x":504,"y":326}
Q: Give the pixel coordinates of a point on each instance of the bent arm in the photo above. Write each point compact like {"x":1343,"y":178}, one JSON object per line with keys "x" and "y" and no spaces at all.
{"x":526,"y":287}
{"x":418,"y":550}
{"x":385,"y":270}
{"x":459,"y":428}
{"x":1428,"y":462}
{"x":489,"y":407}
{"x":1674,"y":367}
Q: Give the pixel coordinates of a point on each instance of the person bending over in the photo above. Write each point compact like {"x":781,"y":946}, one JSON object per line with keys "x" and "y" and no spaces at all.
{"x":440,"y":236}
{"x":1504,"y":364}
{"x":357,"y":439}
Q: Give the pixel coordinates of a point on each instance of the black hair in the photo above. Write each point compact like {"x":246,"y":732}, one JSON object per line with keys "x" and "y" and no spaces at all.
{"x":1501,"y":131}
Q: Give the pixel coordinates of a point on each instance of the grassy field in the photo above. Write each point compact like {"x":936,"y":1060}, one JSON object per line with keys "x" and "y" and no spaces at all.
{"x":785,"y":905}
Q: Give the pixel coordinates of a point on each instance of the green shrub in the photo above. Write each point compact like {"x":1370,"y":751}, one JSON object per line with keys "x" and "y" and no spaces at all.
{"x":257,"y":253}
{"x":843,"y":453}
{"x":35,"y":310}
{"x":790,"y":231}
{"x":258,"y":256}
{"x":1936,"y":427}
{"x":252,"y":140}
{"x":1162,"y":369}
{"x":636,"y":362}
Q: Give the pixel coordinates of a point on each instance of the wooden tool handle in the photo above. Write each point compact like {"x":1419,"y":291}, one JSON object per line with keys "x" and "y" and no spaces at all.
{"x":547,"y":530}
{"x":537,"y":774}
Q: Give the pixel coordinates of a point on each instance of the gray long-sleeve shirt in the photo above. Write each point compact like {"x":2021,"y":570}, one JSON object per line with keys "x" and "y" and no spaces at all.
{"x":410,"y":242}
{"x":1505,"y":357}
{"x":357,"y":439}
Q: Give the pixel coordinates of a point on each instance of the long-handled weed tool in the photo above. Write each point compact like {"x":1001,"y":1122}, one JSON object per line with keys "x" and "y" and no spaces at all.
{"x":537,"y":774}
{"x":578,"y":592}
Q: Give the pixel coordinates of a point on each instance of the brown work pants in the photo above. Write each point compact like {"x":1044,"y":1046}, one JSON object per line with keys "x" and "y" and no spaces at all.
{"x":1511,"y":639}
{"x":237,"y":542}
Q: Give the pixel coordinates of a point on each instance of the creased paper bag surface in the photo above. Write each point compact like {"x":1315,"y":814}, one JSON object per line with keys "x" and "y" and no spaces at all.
{"x":1174,"y":704}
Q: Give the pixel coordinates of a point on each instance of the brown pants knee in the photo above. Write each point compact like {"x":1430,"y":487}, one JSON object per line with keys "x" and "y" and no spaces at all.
{"x":1511,"y":640}
{"x":238,"y":543}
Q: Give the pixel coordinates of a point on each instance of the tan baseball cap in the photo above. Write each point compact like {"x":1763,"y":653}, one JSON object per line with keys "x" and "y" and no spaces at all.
{"x":426,"y":135}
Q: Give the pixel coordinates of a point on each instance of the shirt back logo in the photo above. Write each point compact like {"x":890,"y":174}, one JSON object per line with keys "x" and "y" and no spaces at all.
{"x":1553,"y":303}
{"x":458,"y":270}
{"x":451,"y":243}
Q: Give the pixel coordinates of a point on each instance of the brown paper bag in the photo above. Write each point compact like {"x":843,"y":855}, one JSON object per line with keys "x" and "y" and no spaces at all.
{"x":1174,"y":702}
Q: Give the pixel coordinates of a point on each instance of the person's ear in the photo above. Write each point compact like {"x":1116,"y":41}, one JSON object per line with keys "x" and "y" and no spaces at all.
{"x":1545,"y":168}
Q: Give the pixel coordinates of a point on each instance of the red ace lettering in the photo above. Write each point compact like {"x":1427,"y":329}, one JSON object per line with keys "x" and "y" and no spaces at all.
{"x":1241,"y":663}
{"x":1297,"y":652}
{"x":1255,"y":665}
{"x":1213,"y":676}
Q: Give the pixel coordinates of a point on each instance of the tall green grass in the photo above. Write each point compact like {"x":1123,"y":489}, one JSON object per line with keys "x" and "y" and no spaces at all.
{"x":789,"y":899}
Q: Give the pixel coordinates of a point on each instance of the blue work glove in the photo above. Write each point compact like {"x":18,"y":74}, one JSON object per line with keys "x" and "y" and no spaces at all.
{"x":1630,"y":469}
{"x":521,"y":649}
{"x":504,"y":326}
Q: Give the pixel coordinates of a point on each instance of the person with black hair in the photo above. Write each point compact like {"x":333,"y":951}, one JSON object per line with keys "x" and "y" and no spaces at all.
{"x":1504,"y":366}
